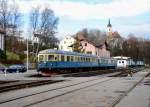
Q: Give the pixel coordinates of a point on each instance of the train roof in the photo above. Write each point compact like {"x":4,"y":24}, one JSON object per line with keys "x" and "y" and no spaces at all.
{"x":47,"y":51}
{"x":121,"y":57}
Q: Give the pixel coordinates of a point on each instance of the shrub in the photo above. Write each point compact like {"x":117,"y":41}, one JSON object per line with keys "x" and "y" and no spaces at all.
{"x":12,"y":56}
{"x":2,"y":55}
{"x":9,"y":62}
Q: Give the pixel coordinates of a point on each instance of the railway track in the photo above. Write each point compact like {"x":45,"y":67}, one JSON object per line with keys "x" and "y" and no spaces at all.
{"x":60,"y":90}
{"x":6,"y":86}
{"x":20,"y":84}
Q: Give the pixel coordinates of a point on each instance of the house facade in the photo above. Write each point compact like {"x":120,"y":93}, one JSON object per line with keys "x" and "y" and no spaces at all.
{"x":87,"y":46}
{"x":103,"y":51}
{"x":2,"y":39}
{"x":66,"y":43}
{"x":91,"y":48}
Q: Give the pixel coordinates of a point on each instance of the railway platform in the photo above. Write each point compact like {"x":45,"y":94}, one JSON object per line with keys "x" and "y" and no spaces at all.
{"x":139,"y":96}
{"x":94,"y":91}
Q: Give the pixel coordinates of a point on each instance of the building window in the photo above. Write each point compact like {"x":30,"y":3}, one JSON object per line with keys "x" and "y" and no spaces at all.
{"x":85,"y":44}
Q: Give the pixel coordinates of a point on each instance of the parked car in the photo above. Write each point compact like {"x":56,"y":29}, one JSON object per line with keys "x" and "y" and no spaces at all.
{"x":16,"y":68}
{"x":2,"y":69}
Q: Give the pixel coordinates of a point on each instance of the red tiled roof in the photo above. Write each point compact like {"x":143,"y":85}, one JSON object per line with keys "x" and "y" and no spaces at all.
{"x":81,"y":37}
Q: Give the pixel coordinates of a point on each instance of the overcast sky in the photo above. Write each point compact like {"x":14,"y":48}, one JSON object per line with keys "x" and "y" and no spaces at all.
{"x":127,"y":16}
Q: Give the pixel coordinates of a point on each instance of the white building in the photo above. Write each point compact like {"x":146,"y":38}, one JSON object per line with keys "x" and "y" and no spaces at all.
{"x":1,"y":39}
{"x":122,"y":61}
{"x":66,"y":43}
{"x":35,"y":38}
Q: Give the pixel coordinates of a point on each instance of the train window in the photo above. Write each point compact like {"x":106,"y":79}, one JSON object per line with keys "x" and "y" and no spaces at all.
{"x":93,"y":59}
{"x":81,"y":59}
{"x":89,"y":59}
{"x":86,"y":59}
{"x":51,"y":57}
{"x":55,"y":58}
{"x":99,"y":60}
{"x":105,"y":61}
{"x":119,"y":61}
{"x":122,"y":61}
{"x":78,"y":59}
{"x":68,"y":58}
{"x":71,"y":58}
{"x":62,"y":58}
{"x":41,"y":57}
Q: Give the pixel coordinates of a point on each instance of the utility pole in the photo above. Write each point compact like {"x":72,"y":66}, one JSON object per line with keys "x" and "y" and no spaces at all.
{"x":27,"y":63}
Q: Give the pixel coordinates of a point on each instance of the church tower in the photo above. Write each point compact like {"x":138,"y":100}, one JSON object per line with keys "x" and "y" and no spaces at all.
{"x":109,"y":28}
{"x":109,"y":32}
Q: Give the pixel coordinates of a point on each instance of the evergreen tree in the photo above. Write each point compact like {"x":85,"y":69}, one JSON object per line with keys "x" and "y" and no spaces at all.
{"x":2,"y":55}
{"x":77,"y":46}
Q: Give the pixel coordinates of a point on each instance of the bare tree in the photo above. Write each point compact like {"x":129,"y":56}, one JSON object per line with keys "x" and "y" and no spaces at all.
{"x":97,"y":36}
{"x":4,"y":18}
{"x":34,"y":19}
{"x":14,"y":26}
{"x":48,"y":27}
{"x":44,"y":25}
{"x":94,"y":35}
{"x":10,"y":20}
{"x":34,"y":25}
